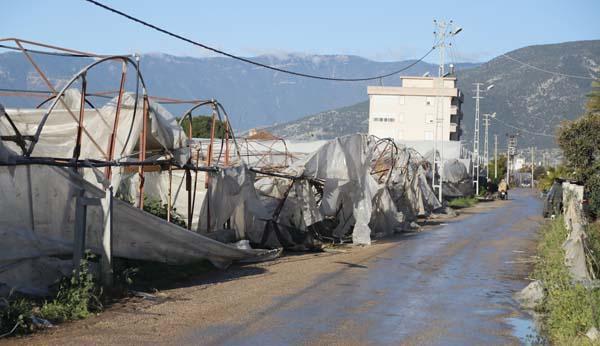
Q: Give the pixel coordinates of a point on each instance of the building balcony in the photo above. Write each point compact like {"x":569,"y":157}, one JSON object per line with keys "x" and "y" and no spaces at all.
{"x":453,"y":127}
{"x":455,"y":110}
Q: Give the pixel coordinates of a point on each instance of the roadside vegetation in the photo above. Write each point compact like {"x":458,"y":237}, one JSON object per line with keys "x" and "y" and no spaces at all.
{"x":76,"y":297}
{"x":569,"y":310}
{"x":580,"y":142}
{"x":462,"y":202}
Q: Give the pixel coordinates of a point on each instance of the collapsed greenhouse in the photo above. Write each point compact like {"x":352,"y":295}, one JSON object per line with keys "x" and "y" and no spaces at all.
{"x":74,"y":176}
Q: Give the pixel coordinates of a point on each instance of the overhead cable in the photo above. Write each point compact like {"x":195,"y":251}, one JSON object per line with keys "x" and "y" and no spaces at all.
{"x":522,"y":129}
{"x":547,"y":71}
{"x":249,"y":61}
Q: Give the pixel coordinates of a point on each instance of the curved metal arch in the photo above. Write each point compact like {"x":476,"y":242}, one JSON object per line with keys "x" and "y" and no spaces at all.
{"x":189,"y":112}
{"x":54,"y":96}
{"x":81,"y":74}
{"x":391,"y":148}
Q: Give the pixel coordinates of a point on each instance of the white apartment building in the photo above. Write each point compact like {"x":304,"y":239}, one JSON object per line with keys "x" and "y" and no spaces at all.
{"x":408,"y":113}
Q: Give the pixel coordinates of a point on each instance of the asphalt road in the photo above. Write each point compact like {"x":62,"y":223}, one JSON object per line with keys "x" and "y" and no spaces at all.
{"x":451,"y":284}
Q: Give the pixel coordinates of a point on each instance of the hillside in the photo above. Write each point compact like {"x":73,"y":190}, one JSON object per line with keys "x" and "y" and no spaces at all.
{"x":326,"y":125}
{"x":253,"y":96}
{"x":533,"y":101}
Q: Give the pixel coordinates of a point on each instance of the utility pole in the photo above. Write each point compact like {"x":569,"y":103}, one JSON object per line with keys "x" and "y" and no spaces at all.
{"x":532,"y":164}
{"x":495,"y":157}
{"x":476,"y":163}
{"x":512,"y":148}
{"x":486,"y":158}
{"x":476,"y":140}
{"x":508,"y":164}
{"x":486,"y":155}
{"x":442,"y":31}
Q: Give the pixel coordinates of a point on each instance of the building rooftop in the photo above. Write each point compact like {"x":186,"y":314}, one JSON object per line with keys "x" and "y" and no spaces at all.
{"x":414,"y":91}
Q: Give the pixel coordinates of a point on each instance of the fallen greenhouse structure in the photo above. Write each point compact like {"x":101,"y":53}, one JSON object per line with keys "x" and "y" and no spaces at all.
{"x":74,"y":176}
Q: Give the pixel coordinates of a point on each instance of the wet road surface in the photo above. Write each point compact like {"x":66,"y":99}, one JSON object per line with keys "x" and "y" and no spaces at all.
{"x":452,"y":285}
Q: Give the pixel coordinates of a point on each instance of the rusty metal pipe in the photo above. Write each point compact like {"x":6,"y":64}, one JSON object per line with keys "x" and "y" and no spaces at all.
{"x":111,"y":144}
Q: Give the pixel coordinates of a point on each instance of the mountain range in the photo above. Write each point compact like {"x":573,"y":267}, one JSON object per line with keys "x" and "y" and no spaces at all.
{"x":525,"y":98}
{"x":252,"y":95}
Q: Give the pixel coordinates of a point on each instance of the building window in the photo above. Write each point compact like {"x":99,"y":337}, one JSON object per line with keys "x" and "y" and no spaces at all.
{"x":401,"y":100}
{"x":429,"y":118}
{"x":385,"y":119}
{"x":428,"y":101}
{"x":400,"y":117}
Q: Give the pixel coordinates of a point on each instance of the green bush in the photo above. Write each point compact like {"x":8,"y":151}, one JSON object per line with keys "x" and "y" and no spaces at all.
{"x":580,"y":143}
{"x":157,"y":208}
{"x":14,"y":316}
{"x":592,"y":187}
{"x":74,"y":298}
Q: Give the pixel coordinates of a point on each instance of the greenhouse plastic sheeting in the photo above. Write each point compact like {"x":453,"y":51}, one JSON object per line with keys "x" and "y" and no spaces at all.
{"x":37,"y":208}
{"x":575,"y":222}
{"x":39,"y":222}
{"x":58,"y":136}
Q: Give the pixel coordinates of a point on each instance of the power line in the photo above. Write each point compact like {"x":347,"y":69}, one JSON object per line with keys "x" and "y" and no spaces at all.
{"x":547,"y":71}
{"x":522,"y":129}
{"x":246,"y":60}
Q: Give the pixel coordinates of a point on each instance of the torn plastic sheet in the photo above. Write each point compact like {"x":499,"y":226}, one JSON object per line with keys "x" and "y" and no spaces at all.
{"x":456,"y":180}
{"x":37,"y":225}
{"x":344,"y":165}
{"x":331,"y":192}
{"x":409,"y":187}
{"x":575,"y":252}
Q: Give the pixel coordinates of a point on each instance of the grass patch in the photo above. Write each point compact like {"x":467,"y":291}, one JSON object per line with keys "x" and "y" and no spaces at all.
{"x":76,"y":298}
{"x":15,"y":316}
{"x":569,"y":309}
{"x":462,"y":202}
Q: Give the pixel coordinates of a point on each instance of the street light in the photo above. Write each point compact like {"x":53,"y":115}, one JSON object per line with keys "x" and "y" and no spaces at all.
{"x":490,"y":87}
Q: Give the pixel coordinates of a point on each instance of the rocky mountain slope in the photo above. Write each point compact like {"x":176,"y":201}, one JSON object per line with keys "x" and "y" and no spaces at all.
{"x":526,"y":100}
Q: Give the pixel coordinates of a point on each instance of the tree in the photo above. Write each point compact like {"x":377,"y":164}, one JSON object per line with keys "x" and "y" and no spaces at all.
{"x":539,"y":172}
{"x":501,"y":168}
{"x":201,"y":126}
{"x":580,"y":142}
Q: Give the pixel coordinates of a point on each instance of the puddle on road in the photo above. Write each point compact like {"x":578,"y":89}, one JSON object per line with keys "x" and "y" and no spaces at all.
{"x":525,"y":330}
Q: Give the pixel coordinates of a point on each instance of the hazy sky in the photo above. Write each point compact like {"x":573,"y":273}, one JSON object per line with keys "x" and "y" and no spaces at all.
{"x":379,"y":30}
